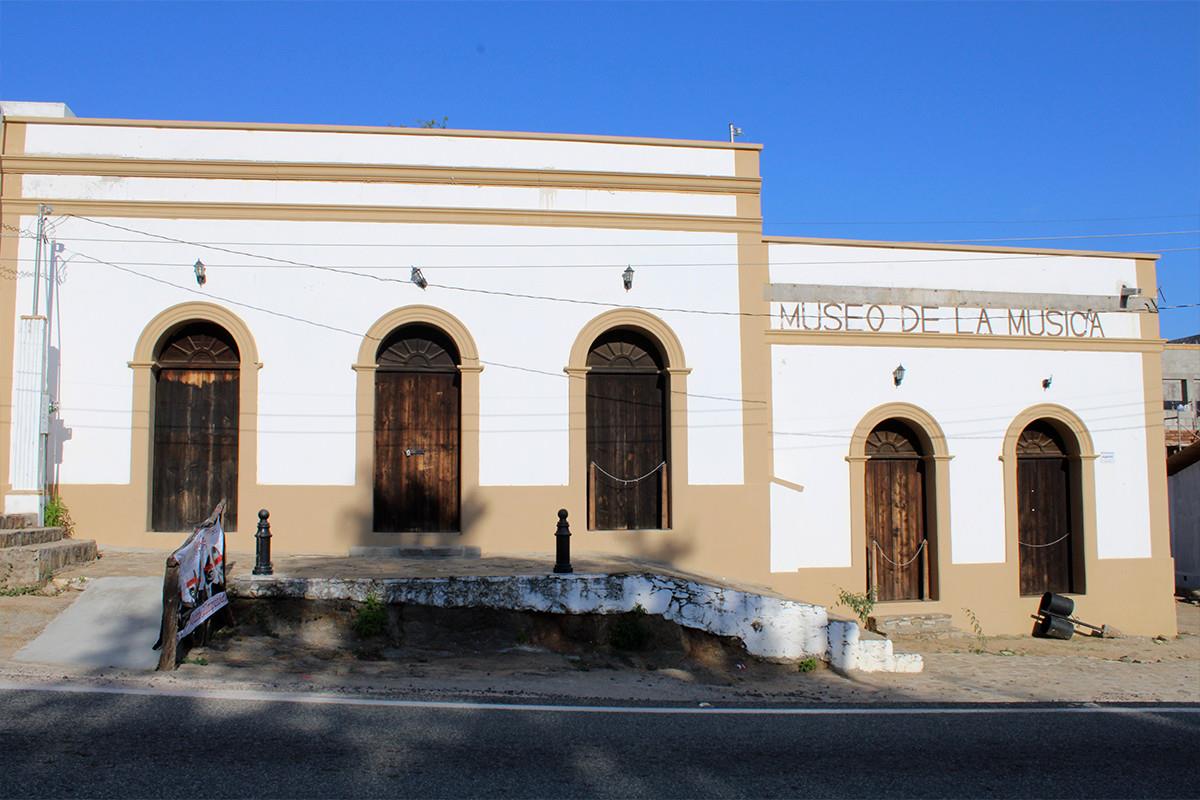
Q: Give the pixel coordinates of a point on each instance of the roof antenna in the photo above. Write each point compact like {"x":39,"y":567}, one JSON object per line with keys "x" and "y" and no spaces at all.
{"x":734,"y":132}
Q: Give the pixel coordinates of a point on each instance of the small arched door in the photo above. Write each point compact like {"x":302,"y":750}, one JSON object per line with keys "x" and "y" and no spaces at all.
{"x":627,"y":433}
{"x":1049,"y":550}
{"x":195,"y":461}
{"x":897,"y":545}
{"x":417,"y":431}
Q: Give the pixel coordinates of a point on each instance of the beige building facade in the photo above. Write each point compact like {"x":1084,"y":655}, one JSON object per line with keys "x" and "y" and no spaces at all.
{"x":238,"y":310}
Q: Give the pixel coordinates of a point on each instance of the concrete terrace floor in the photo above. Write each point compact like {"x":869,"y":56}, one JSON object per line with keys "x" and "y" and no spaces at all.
{"x":128,"y":562}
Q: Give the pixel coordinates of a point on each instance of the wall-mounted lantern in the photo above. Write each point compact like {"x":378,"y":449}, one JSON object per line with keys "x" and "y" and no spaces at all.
{"x":417,"y":278}
{"x":1046,"y":382}
{"x":627,"y":278}
{"x":898,"y":375}
{"x":201,"y":273}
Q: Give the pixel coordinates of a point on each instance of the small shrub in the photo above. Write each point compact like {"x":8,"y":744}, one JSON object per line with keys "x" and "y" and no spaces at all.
{"x":18,"y":591}
{"x":861,"y":603}
{"x":980,"y":636}
{"x":198,"y":660}
{"x":59,"y":516}
{"x":629,"y":631}
{"x":807,"y":664}
{"x":371,"y":618}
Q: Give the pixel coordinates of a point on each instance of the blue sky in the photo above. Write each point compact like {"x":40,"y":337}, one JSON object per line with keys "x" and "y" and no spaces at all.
{"x":930,"y":121}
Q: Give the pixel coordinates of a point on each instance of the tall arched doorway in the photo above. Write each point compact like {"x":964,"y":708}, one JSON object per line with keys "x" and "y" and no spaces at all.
{"x":197,"y":367}
{"x":897,"y":513}
{"x":1050,"y":548}
{"x":417,"y":431}
{"x":628,"y":442}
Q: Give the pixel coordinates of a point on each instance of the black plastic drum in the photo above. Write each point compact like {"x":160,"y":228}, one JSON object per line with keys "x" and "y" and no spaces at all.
{"x":1056,"y":604}
{"x":1053,"y":628}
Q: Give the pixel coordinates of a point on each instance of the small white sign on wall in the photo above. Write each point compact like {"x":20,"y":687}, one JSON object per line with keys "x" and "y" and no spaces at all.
{"x":1107,"y":457}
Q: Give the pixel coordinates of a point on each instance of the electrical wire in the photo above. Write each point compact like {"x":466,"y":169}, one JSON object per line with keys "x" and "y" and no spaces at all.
{"x":335,"y":328}
{"x":1072,"y":236}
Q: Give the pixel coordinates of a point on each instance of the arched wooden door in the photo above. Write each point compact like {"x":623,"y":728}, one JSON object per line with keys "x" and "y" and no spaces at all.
{"x":897,"y":545}
{"x":417,"y":431}
{"x":195,"y":460}
{"x":1046,"y":545}
{"x":627,"y":433}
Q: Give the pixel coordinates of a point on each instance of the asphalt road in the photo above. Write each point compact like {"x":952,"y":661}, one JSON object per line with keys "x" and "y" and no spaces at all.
{"x":60,"y":744}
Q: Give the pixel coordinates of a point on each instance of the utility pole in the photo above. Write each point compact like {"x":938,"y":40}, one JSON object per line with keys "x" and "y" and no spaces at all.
{"x":43,"y":408}
{"x":37,"y":254}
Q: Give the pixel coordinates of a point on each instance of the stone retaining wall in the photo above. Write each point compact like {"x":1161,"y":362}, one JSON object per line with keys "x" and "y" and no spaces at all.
{"x":770,"y":627}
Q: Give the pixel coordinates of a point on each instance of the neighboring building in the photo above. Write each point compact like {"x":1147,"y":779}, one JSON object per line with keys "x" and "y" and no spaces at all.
{"x":1181,"y":393}
{"x":959,"y":427}
{"x":1183,"y":487}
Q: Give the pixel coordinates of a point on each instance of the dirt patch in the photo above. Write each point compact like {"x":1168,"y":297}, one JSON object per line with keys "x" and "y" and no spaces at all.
{"x":494,"y":641}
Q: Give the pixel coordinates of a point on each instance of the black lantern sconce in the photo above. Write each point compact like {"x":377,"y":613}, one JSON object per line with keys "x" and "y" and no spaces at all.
{"x":201,"y":273}
{"x":898,"y":375}
{"x":417,"y":278}
{"x":627,"y":278}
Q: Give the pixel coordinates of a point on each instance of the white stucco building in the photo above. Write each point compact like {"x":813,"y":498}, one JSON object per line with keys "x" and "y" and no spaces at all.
{"x":738,"y":410}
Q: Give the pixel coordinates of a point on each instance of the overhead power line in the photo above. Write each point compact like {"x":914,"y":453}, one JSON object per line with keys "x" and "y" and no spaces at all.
{"x":1072,"y":236}
{"x":361,"y":335}
{"x":1025,"y":221}
{"x":292,"y":262}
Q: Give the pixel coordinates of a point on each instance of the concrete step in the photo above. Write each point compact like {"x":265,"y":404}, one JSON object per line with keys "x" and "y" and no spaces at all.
{"x":19,"y":537}
{"x":412,"y":551}
{"x":910,"y":624}
{"x":11,"y":521}
{"x":33,"y":564}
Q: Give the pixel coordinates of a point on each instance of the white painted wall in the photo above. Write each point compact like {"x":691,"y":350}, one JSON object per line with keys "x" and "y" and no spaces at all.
{"x":190,"y":144}
{"x":195,"y":190}
{"x":974,"y":395}
{"x":306,"y":386}
{"x":944,"y":269}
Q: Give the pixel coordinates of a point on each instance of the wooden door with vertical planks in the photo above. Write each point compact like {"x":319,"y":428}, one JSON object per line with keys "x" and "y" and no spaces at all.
{"x":195,"y":456}
{"x":417,"y":433}
{"x":627,"y":434}
{"x":1044,"y":535}
{"x":895,"y":513}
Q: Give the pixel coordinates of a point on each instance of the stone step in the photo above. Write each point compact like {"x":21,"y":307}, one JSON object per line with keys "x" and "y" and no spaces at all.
{"x":412,"y":551}
{"x":910,"y":624}
{"x":33,"y":564}
{"x":12,"y":521}
{"x":19,"y":537}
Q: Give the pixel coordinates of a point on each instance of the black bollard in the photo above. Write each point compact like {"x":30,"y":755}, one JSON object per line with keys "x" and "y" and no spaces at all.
{"x":262,"y":546}
{"x":562,"y":542}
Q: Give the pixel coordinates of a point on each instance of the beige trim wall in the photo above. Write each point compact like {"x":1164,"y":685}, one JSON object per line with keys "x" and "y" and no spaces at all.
{"x":353,"y":213}
{"x":1156,"y":463}
{"x":144,"y":355}
{"x":364,"y":430}
{"x":380,"y":173}
{"x":937,"y":502}
{"x":965,"y":340}
{"x":395,"y":131}
{"x":12,"y":140}
{"x":968,"y":248}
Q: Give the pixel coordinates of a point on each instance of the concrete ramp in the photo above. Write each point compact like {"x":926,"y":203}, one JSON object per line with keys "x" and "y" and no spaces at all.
{"x":113,"y":623}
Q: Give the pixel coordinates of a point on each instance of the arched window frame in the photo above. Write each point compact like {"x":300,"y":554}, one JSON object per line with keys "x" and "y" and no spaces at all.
{"x":677,"y":372}
{"x":936,"y":455}
{"x":1081,"y":456}
{"x":365,"y":367}
{"x":143,"y":363}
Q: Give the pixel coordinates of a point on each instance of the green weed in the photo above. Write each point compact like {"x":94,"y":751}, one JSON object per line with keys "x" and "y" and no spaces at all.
{"x":371,"y":618}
